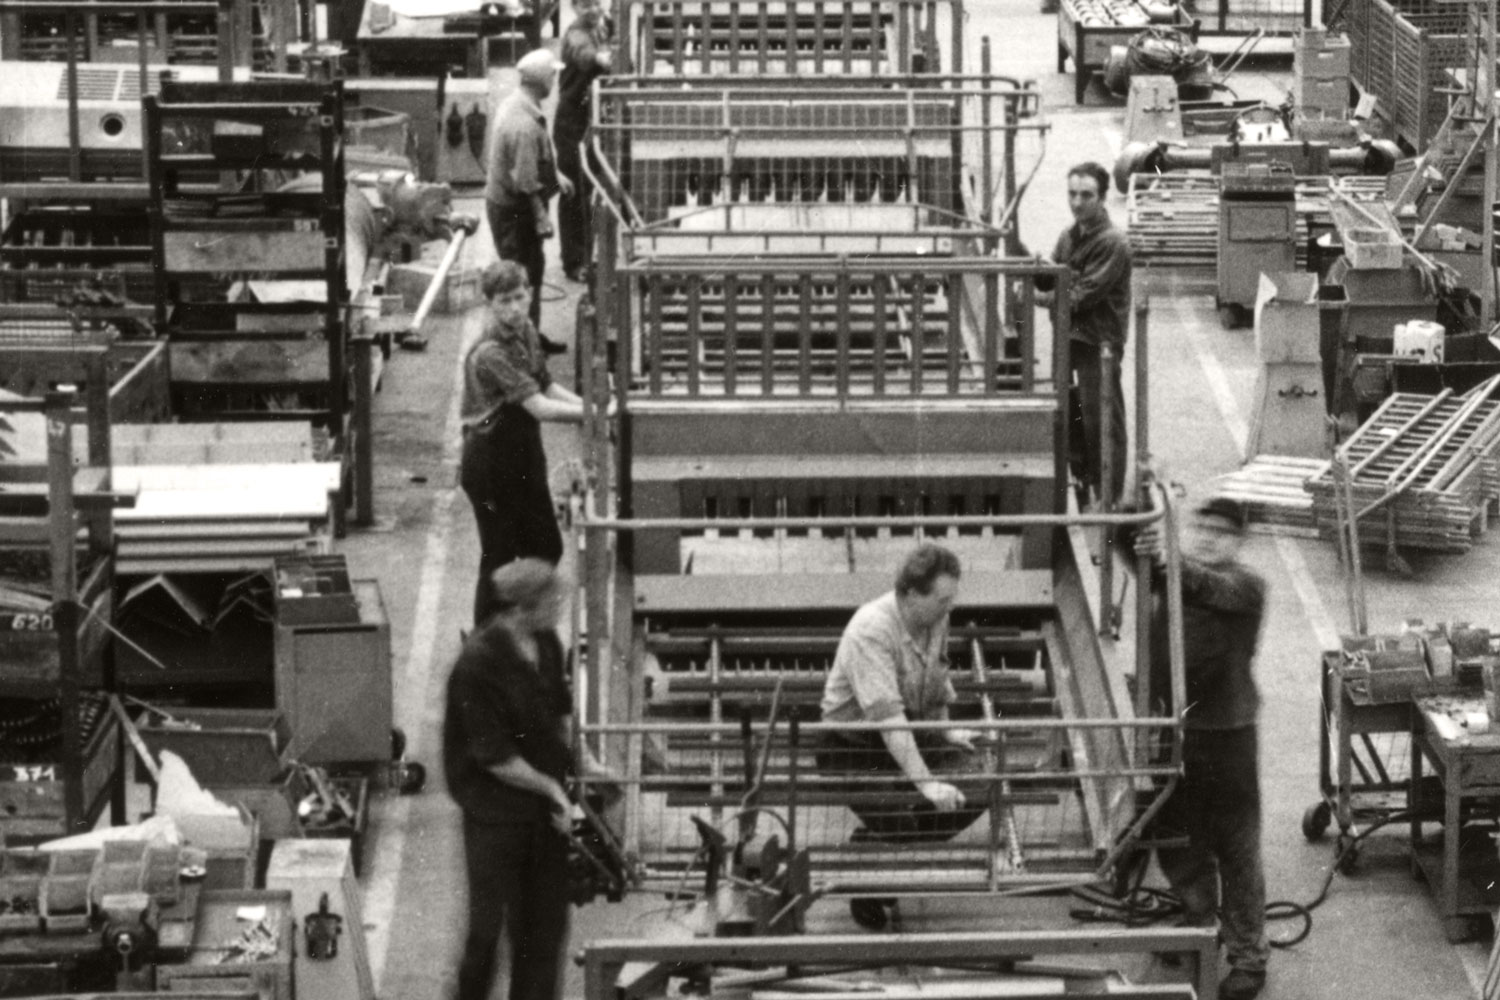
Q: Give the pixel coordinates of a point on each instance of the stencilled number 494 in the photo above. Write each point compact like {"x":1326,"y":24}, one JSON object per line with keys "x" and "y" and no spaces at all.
{"x":34,"y":772}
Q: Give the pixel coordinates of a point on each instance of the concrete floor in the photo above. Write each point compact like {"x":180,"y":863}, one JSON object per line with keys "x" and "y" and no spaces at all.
{"x":1377,"y":936}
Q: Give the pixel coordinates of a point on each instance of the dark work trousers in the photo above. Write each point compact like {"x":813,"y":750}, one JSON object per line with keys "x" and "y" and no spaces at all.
{"x":574,"y":232}
{"x":514,"y":229}
{"x":1088,"y":419}
{"x":863,"y":755}
{"x":517,"y":884}
{"x":1217,"y":807}
{"x":504,"y":474}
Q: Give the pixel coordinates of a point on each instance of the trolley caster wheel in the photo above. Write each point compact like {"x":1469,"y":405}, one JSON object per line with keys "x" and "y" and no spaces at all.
{"x":871,"y":914}
{"x":1458,"y":930}
{"x":1231,"y":317}
{"x":1347,"y":854}
{"x":1315,"y":821}
{"x":408,"y":777}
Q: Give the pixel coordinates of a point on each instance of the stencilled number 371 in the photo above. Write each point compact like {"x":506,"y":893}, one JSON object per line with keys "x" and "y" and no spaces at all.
{"x":34,"y":772}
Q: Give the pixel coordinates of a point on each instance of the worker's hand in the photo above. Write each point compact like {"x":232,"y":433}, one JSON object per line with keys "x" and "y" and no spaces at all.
{"x":612,"y":409}
{"x":1046,"y":299}
{"x":544,"y":229}
{"x":943,"y":796}
{"x":1149,"y":542}
{"x":561,"y":816}
{"x":565,"y":185}
{"x":963,"y":738}
{"x":605,"y":59}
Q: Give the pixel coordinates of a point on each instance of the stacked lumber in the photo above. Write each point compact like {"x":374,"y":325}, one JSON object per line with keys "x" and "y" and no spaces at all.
{"x":1273,"y":491}
{"x":1424,"y":471}
{"x":1173,"y":219}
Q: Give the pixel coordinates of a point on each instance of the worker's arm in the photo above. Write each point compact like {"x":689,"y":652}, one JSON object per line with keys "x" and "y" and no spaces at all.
{"x":515,"y":772}
{"x":903,"y":747}
{"x":1100,"y":272}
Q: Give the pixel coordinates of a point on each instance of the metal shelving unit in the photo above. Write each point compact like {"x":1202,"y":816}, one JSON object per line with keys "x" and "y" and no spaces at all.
{"x":250,"y":228}
{"x":61,"y":753}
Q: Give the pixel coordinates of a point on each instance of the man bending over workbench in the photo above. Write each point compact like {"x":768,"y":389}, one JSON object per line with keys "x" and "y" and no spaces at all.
{"x":891,"y":667}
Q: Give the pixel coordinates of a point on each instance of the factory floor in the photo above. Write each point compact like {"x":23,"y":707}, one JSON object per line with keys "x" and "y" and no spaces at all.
{"x":1378,"y":934}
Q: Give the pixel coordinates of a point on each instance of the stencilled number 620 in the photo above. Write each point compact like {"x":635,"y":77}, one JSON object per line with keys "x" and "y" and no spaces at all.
{"x":31,"y":623}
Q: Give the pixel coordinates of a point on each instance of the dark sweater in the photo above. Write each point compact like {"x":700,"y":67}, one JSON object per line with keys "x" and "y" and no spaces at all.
{"x":499,"y":706}
{"x":1222,"y":608}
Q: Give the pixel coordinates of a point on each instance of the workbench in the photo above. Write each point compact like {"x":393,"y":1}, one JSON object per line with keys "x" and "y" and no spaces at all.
{"x":420,"y":46}
{"x":1463,"y":872}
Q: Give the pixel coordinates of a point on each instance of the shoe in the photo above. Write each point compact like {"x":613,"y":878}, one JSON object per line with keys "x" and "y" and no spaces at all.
{"x":1242,"y":984}
{"x":576,"y":276}
{"x":550,"y":346}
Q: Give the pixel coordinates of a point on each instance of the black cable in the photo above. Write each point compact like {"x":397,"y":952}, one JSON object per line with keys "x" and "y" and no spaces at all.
{"x":1141,"y":906}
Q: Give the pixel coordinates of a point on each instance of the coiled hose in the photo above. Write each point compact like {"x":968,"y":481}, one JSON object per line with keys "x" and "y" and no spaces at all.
{"x":1141,"y":906}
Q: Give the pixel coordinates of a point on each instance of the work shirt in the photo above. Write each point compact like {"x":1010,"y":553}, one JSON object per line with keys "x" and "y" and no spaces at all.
{"x":1222,"y":608}
{"x":1099,"y":292}
{"x":499,"y":707}
{"x":580,"y":50}
{"x":522,"y":162}
{"x":879,"y":672}
{"x":506,"y":365}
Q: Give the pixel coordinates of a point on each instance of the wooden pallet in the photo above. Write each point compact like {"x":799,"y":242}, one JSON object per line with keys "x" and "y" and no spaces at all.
{"x":1273,"y":489}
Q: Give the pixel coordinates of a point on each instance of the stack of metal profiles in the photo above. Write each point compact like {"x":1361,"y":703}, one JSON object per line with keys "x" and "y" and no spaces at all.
{"x":1424,"y":471}
{"x":1173,"y":219}
{"x":1273,"y":490}
{"x":220,"y":497}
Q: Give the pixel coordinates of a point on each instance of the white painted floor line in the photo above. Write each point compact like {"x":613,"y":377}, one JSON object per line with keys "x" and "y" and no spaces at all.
{"x":415,"y":682}
{"x":1472,"y":957}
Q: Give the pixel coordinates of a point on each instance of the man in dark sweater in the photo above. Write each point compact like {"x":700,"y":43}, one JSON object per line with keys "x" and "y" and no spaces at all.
{"x":1217,"y":805}
{"x":507,"y":758}
{"x":1098,"y":310}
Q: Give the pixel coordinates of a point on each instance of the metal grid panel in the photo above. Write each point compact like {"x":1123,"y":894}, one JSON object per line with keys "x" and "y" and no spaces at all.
{"x":710,"y":142}
{"x":833,"y":331}
{"x":793,"y":37}
{"x":717,"y":726}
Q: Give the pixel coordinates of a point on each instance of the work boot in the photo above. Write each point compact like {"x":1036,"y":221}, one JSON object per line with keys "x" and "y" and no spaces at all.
{"x":550,"y":346}
{"x":1242,"y":984}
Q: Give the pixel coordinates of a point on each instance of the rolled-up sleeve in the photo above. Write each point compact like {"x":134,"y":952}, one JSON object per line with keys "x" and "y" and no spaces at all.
{"x":872,"y":670}
{"x":500,"y":378}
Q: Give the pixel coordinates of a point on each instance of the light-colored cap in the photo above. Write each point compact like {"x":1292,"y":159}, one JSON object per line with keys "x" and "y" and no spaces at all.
{"x":537,"y":66}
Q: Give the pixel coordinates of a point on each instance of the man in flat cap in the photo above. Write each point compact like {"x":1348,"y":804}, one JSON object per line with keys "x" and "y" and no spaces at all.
{"x":523,"y":177}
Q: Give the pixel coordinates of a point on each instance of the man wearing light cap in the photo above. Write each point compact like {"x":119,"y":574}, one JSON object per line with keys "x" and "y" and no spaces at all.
{"x":523,"y":177}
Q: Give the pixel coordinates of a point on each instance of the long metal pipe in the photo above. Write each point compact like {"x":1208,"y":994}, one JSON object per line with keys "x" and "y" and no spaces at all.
{"x":429,"y":297}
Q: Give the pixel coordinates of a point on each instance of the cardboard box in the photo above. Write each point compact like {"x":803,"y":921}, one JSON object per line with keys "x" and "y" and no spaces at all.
{"x":1287,"y":318}
{"x":1420,"y":339}
{"x":458,"y":293}
{"x":1372,"y":250}
{"x":1328,"y":96}
{"x":1319,"y":55}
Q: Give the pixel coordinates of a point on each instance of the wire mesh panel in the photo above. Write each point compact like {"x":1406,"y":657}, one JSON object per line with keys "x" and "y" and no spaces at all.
{"x":1242,"y":17}
{"x":706,"y":141}
{"x":726,"y":733}
{"x":794,"y":37}
{"x":813,"y":327}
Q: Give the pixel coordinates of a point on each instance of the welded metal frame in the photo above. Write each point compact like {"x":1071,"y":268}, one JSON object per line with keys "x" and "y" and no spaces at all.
{"x":950,"y":118}
{"x":604,"y":961}
{"x":790,"y":37}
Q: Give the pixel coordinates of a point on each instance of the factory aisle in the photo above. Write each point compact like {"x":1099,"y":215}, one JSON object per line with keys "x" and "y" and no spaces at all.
{"x":1377,"y":936}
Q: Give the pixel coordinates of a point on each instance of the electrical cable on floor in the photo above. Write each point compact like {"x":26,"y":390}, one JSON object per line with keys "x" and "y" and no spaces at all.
{"x":1141,"y":906}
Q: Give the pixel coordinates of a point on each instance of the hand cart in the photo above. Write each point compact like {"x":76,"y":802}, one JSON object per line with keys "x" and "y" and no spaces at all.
{"x":1364,"y":755}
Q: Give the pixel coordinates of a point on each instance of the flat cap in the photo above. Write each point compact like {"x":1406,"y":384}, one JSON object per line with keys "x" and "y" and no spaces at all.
{"x":537,"y":66}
